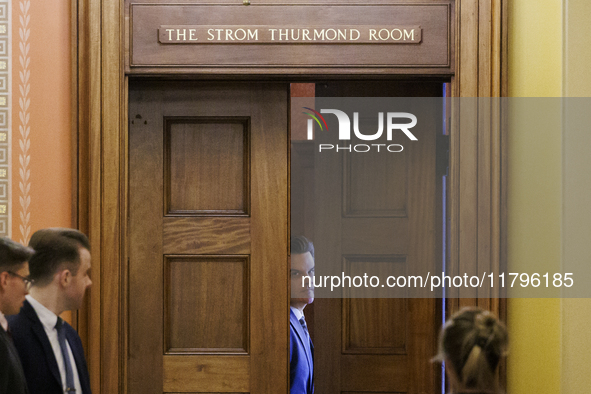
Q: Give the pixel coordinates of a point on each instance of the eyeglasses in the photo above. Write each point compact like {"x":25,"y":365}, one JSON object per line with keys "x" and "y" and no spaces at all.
{"x":28,"y":282}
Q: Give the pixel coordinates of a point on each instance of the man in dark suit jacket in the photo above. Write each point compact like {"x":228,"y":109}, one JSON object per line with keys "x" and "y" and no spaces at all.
{"x":50,"y":349}
{"x":14,"y":286}
{"x":301,"y":352}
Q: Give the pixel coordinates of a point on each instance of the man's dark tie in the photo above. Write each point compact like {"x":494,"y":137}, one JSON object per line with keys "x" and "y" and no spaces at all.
{"x":61,"y":336}
{"x":311,"y":350}
{"x":305,"y":326}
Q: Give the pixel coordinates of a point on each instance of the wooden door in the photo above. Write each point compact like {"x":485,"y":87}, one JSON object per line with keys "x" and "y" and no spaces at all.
{"x":208,"y":271}
{"x":379,"y":212}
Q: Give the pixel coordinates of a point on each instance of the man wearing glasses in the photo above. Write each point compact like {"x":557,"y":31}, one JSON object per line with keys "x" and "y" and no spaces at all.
{"x":49,"y":348}
{"x":14,"y":286}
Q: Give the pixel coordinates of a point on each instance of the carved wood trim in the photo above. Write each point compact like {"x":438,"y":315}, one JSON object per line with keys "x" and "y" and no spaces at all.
{"x":477,"y":231}
{"x":147,"y":56}
{"x":478,"y":146}
{"x":99,"y":116}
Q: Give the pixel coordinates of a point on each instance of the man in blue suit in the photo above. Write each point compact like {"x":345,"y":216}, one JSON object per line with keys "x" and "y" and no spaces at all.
{"x":49,"y":348}
{"x":301,"y":353}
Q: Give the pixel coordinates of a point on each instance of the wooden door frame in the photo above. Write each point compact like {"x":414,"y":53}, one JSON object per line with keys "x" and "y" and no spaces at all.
{"x":477,"y":176}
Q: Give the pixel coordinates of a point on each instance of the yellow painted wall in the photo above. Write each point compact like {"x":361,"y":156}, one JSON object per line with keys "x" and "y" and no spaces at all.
{"x":534,"y":195}
{"x":576,"y":227}
{"x":549,"y":185}
{"x":535,"y":48}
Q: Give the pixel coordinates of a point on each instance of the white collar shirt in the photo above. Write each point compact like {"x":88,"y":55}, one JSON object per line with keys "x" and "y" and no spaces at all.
{"x":3,"y":322}
{"x":298,"y":314}
{"x":49,"y":320}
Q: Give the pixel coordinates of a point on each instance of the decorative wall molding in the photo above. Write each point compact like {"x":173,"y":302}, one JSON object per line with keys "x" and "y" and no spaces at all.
{"x":24,"y":127}
{"x":5,"y":117}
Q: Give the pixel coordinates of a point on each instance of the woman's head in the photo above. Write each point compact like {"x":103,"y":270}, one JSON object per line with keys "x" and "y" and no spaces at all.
{"x":472,"y":343}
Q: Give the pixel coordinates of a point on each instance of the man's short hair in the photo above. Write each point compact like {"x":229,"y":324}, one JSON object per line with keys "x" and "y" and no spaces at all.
{"x":301,"y":245}
{"x":13,"y":254}
{"x":55,"y":249}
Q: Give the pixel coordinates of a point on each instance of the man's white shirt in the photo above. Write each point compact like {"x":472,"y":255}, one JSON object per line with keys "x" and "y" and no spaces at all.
{"x":3,"y":321}
{"x":298,"y":314}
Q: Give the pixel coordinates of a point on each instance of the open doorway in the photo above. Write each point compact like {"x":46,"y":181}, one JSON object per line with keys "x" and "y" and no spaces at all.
{"x":370,"y":211}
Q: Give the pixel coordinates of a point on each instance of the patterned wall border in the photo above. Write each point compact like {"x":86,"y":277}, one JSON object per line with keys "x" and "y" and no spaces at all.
{"x":24,"y":101}
{"x":5,"y":116}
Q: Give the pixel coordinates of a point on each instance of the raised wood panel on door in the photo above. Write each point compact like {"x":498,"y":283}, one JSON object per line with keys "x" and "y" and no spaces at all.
{"x":376,"y":213}
{"x":196,"y":290}
{"x":208,"y":238}
{"x":391,"y":201}
{"x":213,"y":152}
